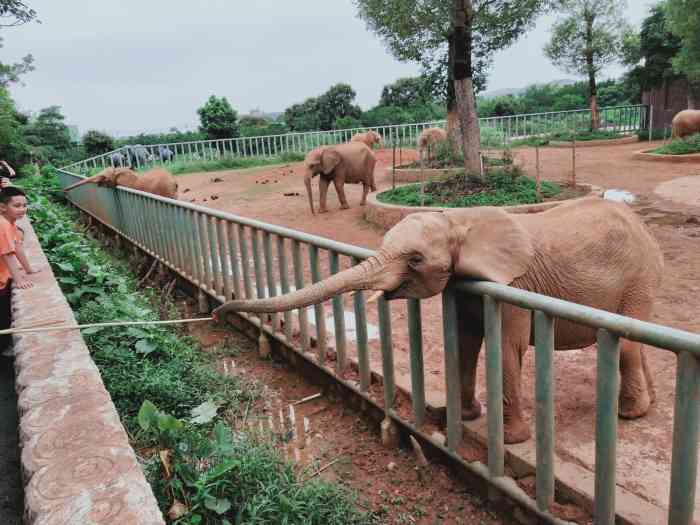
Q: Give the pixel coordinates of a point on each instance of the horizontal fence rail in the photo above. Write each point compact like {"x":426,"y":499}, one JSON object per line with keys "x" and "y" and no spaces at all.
{"x":226,"y":255}
{"x":495,"y":132}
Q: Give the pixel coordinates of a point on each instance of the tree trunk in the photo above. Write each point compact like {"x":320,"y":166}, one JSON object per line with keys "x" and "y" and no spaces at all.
{"x":464,"y":87}
{"x":590,"y":66}
{"x":454,"y":132}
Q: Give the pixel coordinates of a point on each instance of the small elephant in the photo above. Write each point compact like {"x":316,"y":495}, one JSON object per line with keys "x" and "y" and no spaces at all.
{"x":351,"y":163}
{"x":118,"y":159}
{"x":370,"y":138}
{"x":429,"y":139}
{"x":137,"y":155}
{"x":685,"y":123}
{"x":157,"y":181}
{"x":591,"y":251}
{"x":165,"y":153}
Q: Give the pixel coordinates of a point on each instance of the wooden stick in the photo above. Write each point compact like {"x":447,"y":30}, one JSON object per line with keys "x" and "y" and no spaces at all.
{"x":94,"y":325}
{"x":322,"y":469}
{"x":307,"y":398}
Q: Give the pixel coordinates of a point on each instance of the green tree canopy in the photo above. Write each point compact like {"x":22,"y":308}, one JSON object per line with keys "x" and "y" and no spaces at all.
{"x":407,"y":92}
{"x":684,"y":21}
{"x":218,"y":120}
{"x":13,"y":148}
{"x":95,"y":143}
{"x":48,"y":135}
{"x":587,"y":39}
{"x":323,"y":111}
{"x":14,"y":13}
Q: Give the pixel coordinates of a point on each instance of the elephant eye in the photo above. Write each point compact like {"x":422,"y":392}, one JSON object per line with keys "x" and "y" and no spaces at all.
{"x":415,"y":260}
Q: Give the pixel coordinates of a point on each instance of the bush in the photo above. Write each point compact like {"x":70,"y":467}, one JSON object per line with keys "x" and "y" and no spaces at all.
{"x":684,"y":146}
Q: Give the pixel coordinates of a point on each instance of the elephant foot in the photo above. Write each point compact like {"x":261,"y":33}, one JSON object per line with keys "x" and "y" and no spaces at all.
{"x":344,"y":206}
{"x":472,"y":410}
{"x":632,"y":406}
{"x":516,"y":432}
{"x":323,"y":211}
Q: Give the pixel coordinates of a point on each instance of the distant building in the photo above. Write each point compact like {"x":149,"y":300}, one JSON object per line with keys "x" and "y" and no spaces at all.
{"x":666,"y":100}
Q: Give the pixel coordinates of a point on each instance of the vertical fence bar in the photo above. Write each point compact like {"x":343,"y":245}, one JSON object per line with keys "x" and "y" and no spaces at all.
{"x":299,"y":284}
{"x":225,"y":252}
{"x":494,"y":385}
{"x":192,"y":220}
{"x":684,"y":458}
{"x":318,"y":308}
{"x":233,"y":257}
{"x":339,"y":321}
{"x":206,"y":251}
{"x":270,"y":274}
{"x":452,"y":379}
{"x":257,"y":263}
{"x":387,"y":354}
{"x":284,"y":283}
{"x":544,"y":401}
{"x":358,"y":300}
{"x":607,"y":391}
{"x":245,"y":262}
{"x":415,"y":336}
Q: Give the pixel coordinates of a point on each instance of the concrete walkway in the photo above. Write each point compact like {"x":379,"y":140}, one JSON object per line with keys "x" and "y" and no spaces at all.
{"x":11,"y":494}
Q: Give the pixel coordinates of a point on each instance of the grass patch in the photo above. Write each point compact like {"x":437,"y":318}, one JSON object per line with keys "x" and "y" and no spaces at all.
{"x":684,"y":146}
{"x":566,"y":136}
{"x":171,"y":400}
{"x":501,"y":188}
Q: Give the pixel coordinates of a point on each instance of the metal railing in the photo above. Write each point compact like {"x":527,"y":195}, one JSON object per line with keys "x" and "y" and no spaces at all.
{"x":226,"y":255}
{"x":496,"y":131}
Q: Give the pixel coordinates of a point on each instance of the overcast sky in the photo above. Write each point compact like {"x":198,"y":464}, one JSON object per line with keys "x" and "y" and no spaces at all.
{"x":135,"y":65}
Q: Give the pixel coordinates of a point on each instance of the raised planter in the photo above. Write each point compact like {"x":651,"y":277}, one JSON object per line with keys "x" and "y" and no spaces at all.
{"x":388,"y":215}
{"x":658,"y":157}
{"x":629,"y":139}
{"x":405,"y":174}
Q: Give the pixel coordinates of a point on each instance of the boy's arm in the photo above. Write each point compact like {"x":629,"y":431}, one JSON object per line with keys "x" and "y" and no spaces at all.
{"x":20,"y":280}
{"x":22,"y":258}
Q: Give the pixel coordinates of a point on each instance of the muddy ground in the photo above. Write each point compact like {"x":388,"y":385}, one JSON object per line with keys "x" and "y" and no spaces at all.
{"x":668,"y":199}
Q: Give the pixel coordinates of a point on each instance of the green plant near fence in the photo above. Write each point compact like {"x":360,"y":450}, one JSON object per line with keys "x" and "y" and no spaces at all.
{"x":685,"y":146}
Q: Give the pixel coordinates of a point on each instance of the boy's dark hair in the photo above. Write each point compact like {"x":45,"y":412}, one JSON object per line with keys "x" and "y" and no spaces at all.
{"x":10,"y":191}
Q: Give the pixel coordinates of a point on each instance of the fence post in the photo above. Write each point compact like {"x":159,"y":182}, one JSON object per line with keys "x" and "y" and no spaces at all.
{"x":651,"y":122}
{"x":537,"y":175}
{"x":573,"y":162}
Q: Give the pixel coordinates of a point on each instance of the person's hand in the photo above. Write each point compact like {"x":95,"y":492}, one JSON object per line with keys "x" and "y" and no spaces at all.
{"x":24,"y":283}
{"x":5,"y":182}
{"x":32,"y":270}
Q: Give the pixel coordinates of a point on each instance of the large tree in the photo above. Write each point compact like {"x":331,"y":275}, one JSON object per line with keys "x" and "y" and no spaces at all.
{"x":423,"y":31}
{"x":48,"y":135}
{"x":322,"y":112}
{"x":217,"y":119}
{"x":14,"y":13}
{"x":684,"y":20}
{"x":407,"y":92}
{"x":588,"y":38}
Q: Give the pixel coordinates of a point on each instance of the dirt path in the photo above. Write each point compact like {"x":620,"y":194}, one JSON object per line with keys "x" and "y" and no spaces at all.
{"x":668,"y":202}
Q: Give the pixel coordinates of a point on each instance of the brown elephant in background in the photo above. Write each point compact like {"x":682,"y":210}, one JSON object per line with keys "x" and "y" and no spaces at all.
{"x":157,"y":181}
{"x":685,"y":123}
{"x":370,"y":138}
{"x":351,"y":163}
{"x":429,"y":139}
{"x":590,"y":251}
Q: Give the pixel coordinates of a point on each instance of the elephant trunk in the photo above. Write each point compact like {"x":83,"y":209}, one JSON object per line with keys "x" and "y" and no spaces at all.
{"x":360,"y":277}
{"x":307,"y":183}
{"x":86,"y":180}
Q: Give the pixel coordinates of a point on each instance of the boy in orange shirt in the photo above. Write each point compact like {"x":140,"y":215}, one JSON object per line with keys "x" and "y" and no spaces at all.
{"x":13,"y":206}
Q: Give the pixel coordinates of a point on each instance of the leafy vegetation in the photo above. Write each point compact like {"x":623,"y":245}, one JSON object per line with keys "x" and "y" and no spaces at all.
{"x":502,"y":187}
{"x":224,"y":163}
{"x":218,"y":120}
{"x":171,"y":401}
{"x":95,"y":143}
{"x":684,"y":22}
{"x":684,"y":146}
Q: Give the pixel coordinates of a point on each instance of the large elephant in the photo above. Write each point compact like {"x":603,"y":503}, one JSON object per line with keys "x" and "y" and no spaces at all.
{"x":685,"y":123}
{"x":157,"y":181}
{"x":429,"y":139}
{"x":370,"y":138}
{"x":591,"y":251}
{"x":351,"y":163}
{"x":137,"y":155}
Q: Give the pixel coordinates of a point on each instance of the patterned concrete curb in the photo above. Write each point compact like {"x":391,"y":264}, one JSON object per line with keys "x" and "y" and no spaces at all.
{"x":77,"y":465}
{"x":630,"y":139}
{"x":658,"y":157}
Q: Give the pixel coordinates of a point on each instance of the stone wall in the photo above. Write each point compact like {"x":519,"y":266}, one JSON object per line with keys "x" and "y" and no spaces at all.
{"x":77,"y":464}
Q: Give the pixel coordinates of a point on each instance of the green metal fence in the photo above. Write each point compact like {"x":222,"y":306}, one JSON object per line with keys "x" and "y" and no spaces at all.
{"x":226,"y":255}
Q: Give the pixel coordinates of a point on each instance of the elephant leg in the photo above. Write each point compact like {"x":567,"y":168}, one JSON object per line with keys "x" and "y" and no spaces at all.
{"x":636,"y":386}
{"x":515,"y":341}
{"x":323,"y":194}
{"x":365,"y":191}
{"x":470,"y":335}
{"x":340,"y":189}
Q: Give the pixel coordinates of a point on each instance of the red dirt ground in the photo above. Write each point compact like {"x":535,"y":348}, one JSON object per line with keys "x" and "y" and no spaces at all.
{"x":644,"y":446}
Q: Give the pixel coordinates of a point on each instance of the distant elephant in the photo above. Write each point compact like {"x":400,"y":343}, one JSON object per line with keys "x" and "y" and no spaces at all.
{"x":590,"y":251}
{"x":118,"y":159}
{"x":429,"y":139}
{"x":685,"y":123}
{"x":137,"y":155}
{"x":157,"y":181}
{"x":351,"y":163}
{"x":165,"y":153}
{"x":370,"y":138}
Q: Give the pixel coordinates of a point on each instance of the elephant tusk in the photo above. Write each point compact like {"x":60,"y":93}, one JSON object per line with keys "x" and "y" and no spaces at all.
{"x":375,"y":296}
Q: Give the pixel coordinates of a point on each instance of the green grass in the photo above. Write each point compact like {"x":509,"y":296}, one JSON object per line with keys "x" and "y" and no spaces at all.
{"x":169,"y":397}
{"x":684,"y":146}
{"x":502,"y":189}
{"x":566,"y":136}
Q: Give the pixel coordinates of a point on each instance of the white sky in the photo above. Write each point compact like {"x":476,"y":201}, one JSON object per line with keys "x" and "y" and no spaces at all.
{"x":135,"y":65}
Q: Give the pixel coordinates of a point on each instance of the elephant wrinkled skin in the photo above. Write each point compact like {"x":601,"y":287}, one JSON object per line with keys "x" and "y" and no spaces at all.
{"x":590,"y":251}
{"x":343,"y":163}
{"x":685,"y":123}
{"x":157,"y":181}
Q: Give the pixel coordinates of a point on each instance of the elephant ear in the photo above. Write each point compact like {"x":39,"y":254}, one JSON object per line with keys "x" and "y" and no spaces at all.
{"x":491,"y":245}
{"x":330,"y":159}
